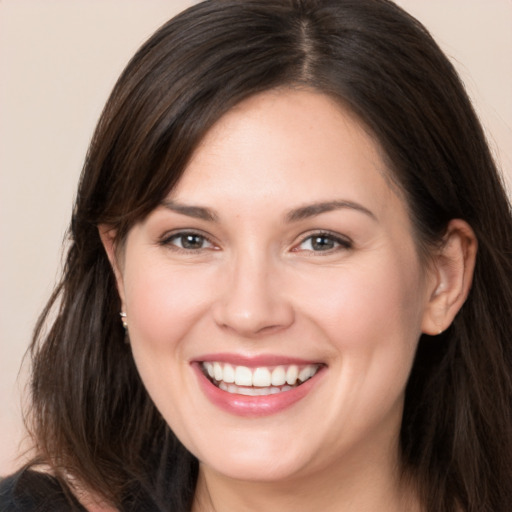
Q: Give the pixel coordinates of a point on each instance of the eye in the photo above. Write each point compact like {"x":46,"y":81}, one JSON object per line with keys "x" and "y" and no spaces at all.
{"x":323,"y":242}
{"x":188,"y":241}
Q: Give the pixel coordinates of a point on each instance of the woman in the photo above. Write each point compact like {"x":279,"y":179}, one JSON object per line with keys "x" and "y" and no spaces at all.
{"x":293,"y":208}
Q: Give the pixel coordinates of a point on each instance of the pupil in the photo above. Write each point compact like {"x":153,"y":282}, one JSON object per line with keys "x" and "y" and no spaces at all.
{"x":322,"y":243}
{"x":191,"y":241}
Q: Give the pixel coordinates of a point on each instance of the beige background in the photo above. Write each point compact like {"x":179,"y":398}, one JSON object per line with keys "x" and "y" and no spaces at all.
{"x":59,"y":59}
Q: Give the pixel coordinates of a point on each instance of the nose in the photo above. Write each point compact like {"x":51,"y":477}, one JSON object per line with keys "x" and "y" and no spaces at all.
{"x":252,"y":301}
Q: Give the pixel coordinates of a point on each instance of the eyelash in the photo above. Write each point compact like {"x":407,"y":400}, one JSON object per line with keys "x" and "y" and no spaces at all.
{"x":340,"y":243}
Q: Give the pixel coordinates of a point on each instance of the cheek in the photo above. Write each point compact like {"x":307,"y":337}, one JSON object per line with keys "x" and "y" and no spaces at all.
{"x":372,"y":319}
{"x":363,"y":304}
{"x":163,"y":303}
{"x":164,"y":306}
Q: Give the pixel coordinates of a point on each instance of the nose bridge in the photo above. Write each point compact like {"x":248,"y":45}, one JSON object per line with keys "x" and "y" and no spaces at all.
{"x":251,"y":302}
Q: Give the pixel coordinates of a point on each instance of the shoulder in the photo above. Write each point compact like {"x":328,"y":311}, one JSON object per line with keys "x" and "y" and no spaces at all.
{"x":32,"y":491}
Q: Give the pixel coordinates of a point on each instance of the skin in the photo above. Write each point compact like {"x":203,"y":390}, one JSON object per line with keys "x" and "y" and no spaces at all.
{"x":255,"y":284}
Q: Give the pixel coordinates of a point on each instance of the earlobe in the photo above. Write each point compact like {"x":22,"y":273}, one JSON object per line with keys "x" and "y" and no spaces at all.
{"x":453,"y":268}
{"x":108,"y":239}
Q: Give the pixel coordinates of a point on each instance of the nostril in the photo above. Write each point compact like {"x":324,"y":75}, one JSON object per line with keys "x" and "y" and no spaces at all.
{"x":263,"y":323}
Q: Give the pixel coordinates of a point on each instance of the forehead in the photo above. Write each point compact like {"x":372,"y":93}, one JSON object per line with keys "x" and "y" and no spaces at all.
{"x":285,"y":147}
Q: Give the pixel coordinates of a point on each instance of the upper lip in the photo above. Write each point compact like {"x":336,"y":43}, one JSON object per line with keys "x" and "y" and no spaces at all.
{"x":253,"y":361}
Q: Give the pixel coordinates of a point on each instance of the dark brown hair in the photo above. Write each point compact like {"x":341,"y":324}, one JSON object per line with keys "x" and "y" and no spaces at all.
{"x":91,"y":416}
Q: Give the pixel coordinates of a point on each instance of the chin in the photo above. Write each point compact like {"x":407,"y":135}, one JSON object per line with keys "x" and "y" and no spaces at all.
{"x":257,"y":468}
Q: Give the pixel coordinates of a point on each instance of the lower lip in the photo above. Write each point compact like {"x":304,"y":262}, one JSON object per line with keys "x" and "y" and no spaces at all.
{"x":262,"y":405}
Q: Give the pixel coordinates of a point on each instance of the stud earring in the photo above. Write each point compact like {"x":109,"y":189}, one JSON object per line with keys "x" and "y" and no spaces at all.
{"x":122,"y":314}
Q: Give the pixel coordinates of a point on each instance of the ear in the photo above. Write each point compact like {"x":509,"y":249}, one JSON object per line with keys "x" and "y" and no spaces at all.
{"x":452,"y":274}
{"x":108,"y":239}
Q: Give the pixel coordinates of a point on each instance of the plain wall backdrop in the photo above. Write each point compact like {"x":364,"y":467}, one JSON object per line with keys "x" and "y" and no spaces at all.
{"x":58,"y":62}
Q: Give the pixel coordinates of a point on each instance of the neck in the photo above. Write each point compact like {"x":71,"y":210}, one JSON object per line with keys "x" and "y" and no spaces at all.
{"x":359,"y":484}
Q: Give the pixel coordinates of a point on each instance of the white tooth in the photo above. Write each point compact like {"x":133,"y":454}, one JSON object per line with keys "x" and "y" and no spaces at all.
{"x":273,"y":391}
{"x":286,"y":388}
{"x":291,"y":374}
{"x":229,"y":374}
{"x":278,"y":376}
{"x":243,"y":376}
{"x":209,"y":369}
{"x":261,"y":377}
{"x":223,"y":386}
{"x":217,"y":371}
{"x":306,"y":373}
{"x":232,"y":388}
{"x":247,"y":391}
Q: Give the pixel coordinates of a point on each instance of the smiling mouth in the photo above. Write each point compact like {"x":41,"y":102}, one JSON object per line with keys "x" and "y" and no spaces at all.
{"x":260,"y":381}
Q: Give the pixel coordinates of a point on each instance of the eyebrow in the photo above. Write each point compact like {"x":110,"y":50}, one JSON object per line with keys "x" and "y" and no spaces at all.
{"x":311,"y":210}
{"x":297,"y":214}
{"x":197,"y":212}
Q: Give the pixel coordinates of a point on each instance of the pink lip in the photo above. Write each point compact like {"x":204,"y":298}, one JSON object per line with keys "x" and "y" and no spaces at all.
{"x":254,"y":406}
{"x":253,"y":361}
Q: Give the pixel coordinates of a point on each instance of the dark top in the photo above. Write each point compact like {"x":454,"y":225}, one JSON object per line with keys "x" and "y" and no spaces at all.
{"x":31,"y":491}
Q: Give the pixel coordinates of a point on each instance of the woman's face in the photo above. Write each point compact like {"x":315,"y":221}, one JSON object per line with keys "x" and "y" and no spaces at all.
{"x":284,"y":254}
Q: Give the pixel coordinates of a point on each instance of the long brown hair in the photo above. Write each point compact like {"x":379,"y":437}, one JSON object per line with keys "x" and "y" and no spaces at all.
{"x":91,"y":416}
